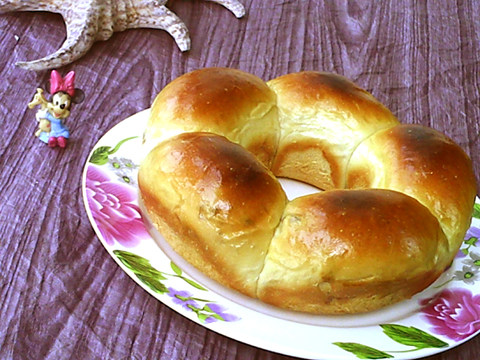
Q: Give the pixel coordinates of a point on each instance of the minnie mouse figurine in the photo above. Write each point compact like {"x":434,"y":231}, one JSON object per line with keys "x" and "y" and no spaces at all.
{"x":53,"y":112}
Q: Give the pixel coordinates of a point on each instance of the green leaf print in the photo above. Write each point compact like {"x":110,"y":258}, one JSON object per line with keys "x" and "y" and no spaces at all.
{"x":154,"y":279}
{"x":176,"y":269}
{"x":100,"y":154}
{"x":412,"y":336}
{"x":476,"y":211}
{"x":363,"y":351}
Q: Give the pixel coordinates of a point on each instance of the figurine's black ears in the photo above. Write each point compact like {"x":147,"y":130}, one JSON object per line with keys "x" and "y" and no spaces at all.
{"x":78,"y":97}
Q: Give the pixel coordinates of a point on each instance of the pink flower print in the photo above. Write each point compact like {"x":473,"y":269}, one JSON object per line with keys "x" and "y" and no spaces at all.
{"x":455,"y":313}
{"x":113,"y":210}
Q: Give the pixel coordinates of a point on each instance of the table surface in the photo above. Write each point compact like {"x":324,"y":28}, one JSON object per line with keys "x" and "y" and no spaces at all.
{"x":63,"y":297}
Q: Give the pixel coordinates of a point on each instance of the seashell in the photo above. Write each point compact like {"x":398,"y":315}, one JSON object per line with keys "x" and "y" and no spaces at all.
{"x":88,"y":21}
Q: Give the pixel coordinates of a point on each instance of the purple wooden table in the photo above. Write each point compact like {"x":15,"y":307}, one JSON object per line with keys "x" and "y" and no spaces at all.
{"x":62,"y":295}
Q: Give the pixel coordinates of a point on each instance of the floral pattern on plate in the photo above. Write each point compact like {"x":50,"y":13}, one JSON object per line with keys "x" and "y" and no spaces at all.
{"x":454,"y":313}
{"x":113,"y":208}
{"x":206,"y":310}
{"x":448,"y":317}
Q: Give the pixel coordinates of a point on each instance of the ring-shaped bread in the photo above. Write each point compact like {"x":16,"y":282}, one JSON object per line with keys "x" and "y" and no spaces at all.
{"x":397,"y":204}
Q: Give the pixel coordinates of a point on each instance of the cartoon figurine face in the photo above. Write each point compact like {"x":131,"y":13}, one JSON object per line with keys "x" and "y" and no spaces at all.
{"x":60,"y":105}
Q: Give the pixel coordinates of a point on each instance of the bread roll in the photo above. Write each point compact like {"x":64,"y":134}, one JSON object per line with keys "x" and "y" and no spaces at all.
{"x":399,"y":198}
{"x":215,"y":203}
{"x":323,"y":117}
{"x":223,"y":101}
{"x":350,"y":251}
{"x":425,"y":164}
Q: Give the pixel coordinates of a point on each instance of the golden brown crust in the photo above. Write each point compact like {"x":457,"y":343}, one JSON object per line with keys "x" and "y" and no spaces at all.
{"x":425,"y":164}
{"x":323,"y":117}
{"x":220,"y":202}
{"x":350,"y":247}
{"x":340,"y":251}
{"x":228,"y":102}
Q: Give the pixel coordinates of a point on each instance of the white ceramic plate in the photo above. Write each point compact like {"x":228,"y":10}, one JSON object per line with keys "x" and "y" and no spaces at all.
{"x":441,"y":317}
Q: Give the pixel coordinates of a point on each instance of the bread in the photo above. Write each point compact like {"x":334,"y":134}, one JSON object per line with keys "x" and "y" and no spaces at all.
{"x":348,"y":251}
{"x":397,"y":204}
{"x":236,"y":104}
{"x":424,"y":164}
{"x":215,"y":203}
{"x":323,"y":117}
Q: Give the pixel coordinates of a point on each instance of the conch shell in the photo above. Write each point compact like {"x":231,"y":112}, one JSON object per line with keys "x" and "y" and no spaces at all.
{"x":88,"y":21}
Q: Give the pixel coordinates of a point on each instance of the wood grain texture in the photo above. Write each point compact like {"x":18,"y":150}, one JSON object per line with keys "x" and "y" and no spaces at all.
{"x":63,"y":297}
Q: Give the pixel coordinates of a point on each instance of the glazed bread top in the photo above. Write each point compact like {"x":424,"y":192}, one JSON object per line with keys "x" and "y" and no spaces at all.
{"x":323,"y":117}
{"x":348,"y":251}
{"x":398,"y":202}
{"x":424,"y":164}
{"x":236,"y":104}
{"x":223,"y":204}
